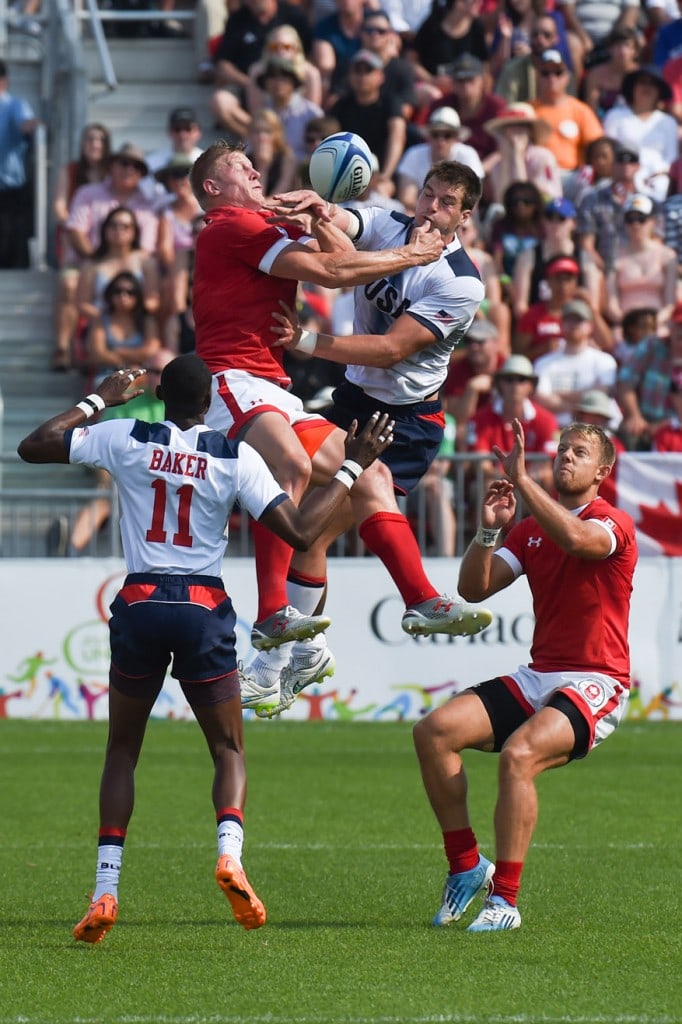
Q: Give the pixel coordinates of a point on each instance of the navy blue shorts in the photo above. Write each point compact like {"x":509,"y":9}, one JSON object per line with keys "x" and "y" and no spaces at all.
{"x":189,"y":619}
{"x":416,"y":439}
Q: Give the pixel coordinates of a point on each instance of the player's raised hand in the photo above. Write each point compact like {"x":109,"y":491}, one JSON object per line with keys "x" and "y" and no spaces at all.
{"x":373,"y":439}
{"x":426,"y":242}
{"x":118,"y":388}
{"x":514,"y":462}
{"x":287,"y":205}
{"x":499,"y":505}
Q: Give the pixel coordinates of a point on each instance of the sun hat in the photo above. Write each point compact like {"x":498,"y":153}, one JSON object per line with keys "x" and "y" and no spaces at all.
{"x":447,"y":117}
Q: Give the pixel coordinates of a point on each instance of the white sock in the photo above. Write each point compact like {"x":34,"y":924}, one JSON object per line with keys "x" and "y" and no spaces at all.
{"x":305,"y":597}
{"x":267,"y":665}
{"x":306,"y":648}
{"x":230,"y":838}
{"x":108,"y":870}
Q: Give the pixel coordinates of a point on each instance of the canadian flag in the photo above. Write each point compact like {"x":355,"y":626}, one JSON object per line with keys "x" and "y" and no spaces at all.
{"x":648,"y":486}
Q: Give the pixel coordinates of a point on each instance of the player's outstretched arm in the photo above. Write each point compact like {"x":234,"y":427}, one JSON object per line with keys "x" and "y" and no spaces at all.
{"x":46,"y":442}
{"x":301,"y":526}
{"x":480,"y":574}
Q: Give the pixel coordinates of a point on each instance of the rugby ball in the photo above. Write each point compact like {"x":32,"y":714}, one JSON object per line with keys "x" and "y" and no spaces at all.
{"x":340,"y":167}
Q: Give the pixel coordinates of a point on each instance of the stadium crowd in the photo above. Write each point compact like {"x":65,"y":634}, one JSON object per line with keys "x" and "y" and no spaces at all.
{"x":570,"y":113}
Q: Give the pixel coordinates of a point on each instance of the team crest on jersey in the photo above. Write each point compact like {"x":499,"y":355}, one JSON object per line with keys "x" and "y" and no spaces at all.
{"x":593,"y":692}
{"x":609,"y":522}
{"x":534,"y":542}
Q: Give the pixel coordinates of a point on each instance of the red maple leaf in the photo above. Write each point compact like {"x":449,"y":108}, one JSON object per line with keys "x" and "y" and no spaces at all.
{"x":664,"y":526}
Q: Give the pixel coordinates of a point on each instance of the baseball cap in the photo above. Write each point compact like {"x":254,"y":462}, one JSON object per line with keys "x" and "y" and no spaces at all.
{"x":182,"y":115}
{"x":481,"y":330}
{"x":638,"y":203}
{"x":552,"y":57}
{"x":562,"y":265}
{"x":447,"y":117}
{"x":595,"y":402}
{"x":465,"y":66}
{"x":368,"y":57}
{"x":518,"y":366}
{"x":576,"y":307}
{"x":626,"y":154}
{"x":564,"y":207}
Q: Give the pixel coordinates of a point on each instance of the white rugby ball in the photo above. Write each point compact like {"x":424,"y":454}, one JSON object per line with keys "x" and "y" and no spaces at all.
{"x":340,"y":167}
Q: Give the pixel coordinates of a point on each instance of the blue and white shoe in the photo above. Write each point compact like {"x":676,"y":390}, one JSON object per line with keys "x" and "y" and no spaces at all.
{"x":497,"y":916}
{"x":461,"y":889}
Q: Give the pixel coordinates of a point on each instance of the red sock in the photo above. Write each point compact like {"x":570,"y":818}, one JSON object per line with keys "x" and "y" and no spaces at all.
{"x":461,"y":850}
{"x":389,"y":537}
{"x":507,"y":880}
{"x":272,"y":564}
{"x":230,"y":813}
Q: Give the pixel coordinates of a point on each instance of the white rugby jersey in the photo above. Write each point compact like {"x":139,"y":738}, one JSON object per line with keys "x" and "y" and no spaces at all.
{"x":444,"y":296}
{"x":176,"y":490}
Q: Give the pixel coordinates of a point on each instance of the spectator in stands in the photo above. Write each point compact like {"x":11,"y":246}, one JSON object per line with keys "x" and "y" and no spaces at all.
{"x":645,"y":271}
{"x":118,"y":250}
{"x":184,"y":137}
{"x":469,"y":383}
{"x":17,"y":125}
{"x":574,"y":367}
{"x":93,"y":516}
{"x":667,"y":436}
{"x":557,"y":237}
{"x":596,"y":408}
{"x":474,"y":104}
{"x":637,"y":325}
{"x":336,"y":41}
{"x":284,"y":41}
{"x":451,"y":30}
{"x":240,"y":48}
{"x":660,"y":12}
{"x":122,"y":187}
{"x":493,"y":307}
{"x":518,"y":229}
{"x":377,"y":35}
{"x":538,"y":331}
{"x":446,"y":141}
{"x":642,"y":125}
{"x":124,"y":334}
{"x":521,"y":155}
{"x":602,"y":86}
{"x":514,"y":386}
{"x":177,"y":259}
{"x":281,"y":82}
{"x":600,"y":227}
{"x":573,"y":124}
{"x":600,"y":156}
{"x":516,"y":82}
{"x":643,"y":389}
{"x":91,"y":165}
{"x":372,"y":114}
{"x":271,"y":154}
{"x":668,"y":41}
{"x":592,"y":22}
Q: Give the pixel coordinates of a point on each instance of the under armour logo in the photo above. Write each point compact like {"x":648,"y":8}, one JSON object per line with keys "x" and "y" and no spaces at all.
{"x":534,"y":542}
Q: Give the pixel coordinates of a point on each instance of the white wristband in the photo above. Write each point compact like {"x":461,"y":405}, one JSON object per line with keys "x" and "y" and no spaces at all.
{"x":348,"y":472}
{"x":90,"y":405}
{"x":307,"y":342}
{"x":486,"y":537}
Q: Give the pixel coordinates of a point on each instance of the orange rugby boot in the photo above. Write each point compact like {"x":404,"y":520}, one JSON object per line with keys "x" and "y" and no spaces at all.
{"x":246,"y":907}
{"x":99,"y":920}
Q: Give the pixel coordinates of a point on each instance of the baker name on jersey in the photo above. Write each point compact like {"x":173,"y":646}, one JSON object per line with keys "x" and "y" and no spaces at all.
{"x":182,"y":463}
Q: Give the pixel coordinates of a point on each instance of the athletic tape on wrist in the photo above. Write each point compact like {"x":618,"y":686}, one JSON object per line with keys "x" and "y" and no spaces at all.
{"x":307,"y":342}
{"x":486,"y":537}
{"x":348,"y":472}
{"x":91,"y":404}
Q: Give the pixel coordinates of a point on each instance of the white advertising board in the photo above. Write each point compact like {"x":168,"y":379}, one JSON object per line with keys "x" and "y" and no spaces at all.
{"x":54,"y":652}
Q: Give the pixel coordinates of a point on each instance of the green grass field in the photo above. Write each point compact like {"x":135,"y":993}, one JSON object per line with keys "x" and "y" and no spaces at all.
{"x":343,"y":850}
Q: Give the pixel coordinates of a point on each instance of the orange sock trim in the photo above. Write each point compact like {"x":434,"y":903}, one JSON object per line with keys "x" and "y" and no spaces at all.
{"x":389,"y":537}
{"x":507,"y":880}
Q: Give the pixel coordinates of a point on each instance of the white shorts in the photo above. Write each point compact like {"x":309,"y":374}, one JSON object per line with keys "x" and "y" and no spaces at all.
{"x":600,"y":699}
{"x":237,"y":396}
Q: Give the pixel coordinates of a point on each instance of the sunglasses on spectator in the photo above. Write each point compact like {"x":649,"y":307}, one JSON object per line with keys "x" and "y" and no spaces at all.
{"x":513,"y":378}
{"x":552,"y":72}
{"x":122,"y":290}
{"x":362,"y":69}
{"x":626,"y":158}
{"x":375,"y":30}
{"x":272,"y":47}
{"x":523,"y":201}
{"x":542,"y":33}
{"x":125,"y":161}
{"x":442,"y":135}
{"x":635,"y":218}
{"x":556,"y":217}
{"x":184,"y":126}
{"x":122,"y":224}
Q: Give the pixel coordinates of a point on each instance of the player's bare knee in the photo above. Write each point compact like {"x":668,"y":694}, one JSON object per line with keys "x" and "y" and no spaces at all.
{"x":294,"y":470}
{"x":517,"y":758}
